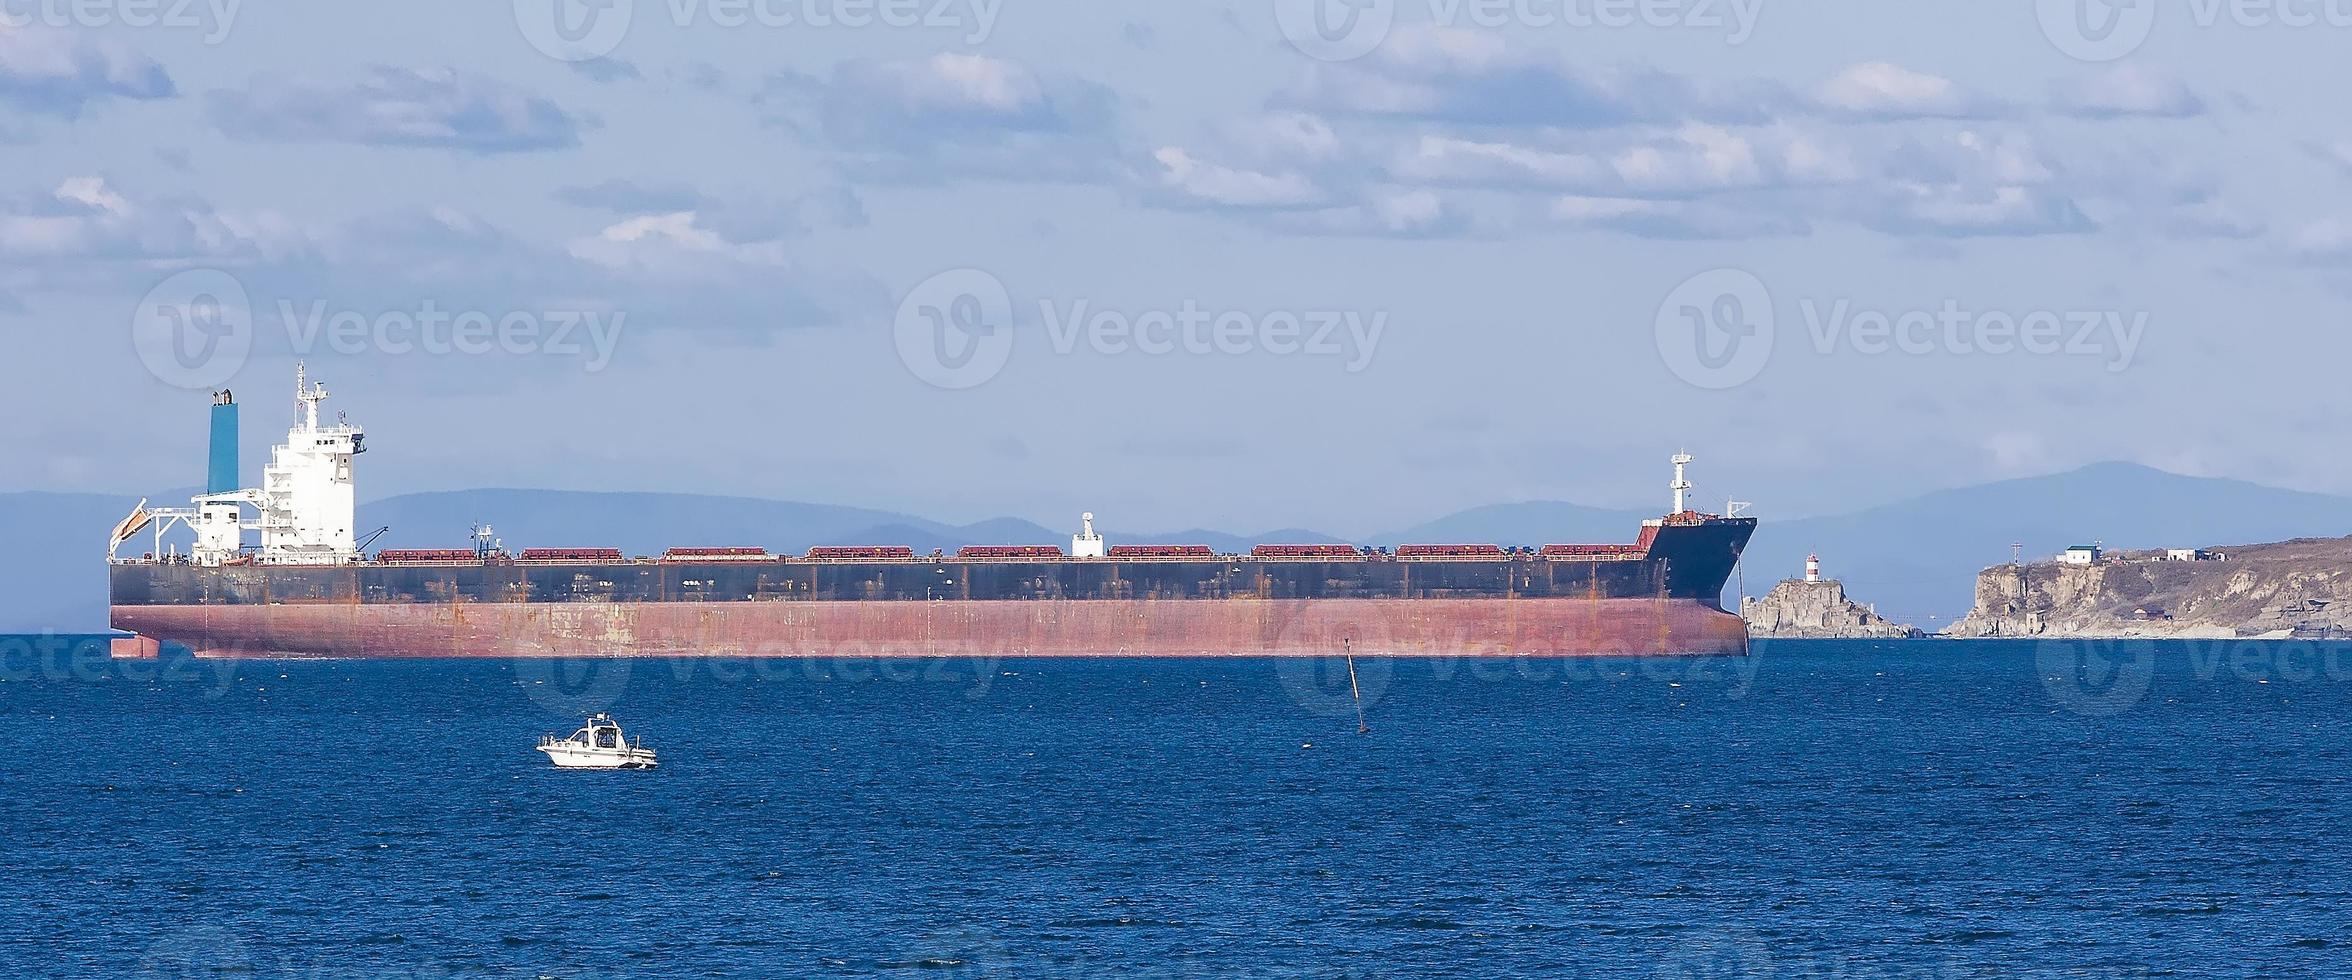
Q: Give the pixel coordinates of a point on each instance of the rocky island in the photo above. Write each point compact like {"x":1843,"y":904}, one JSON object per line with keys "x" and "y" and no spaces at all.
{"x":1814,"y":608}
{"x":2299,"y":588}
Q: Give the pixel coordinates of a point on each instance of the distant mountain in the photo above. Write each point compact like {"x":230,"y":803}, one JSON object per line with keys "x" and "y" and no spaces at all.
{"x":1916,"y":560}
{"x":53,"y":575}
{"x":636,"y":523}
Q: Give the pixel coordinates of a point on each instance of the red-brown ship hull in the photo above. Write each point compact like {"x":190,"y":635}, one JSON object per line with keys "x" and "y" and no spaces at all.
{"x":1538,"y":627}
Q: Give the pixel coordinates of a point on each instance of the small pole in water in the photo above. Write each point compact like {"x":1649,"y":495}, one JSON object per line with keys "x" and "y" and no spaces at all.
{"x":1348,"y":645}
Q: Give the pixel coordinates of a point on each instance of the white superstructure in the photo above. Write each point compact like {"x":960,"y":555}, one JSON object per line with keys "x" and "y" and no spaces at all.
{"x":1086,"y":543}
{"x":305,"y":502}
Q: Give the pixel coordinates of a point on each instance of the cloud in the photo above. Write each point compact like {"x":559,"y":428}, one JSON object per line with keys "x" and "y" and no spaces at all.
{"x":1881,"y":91}
{"x":1475,"y":77}
{"x":755,"y":219}
{"x":85,"y":219}
{"x":2127,"y":90}
{"x":1678,"y":220}
{"x":2210,"y":218}
{"x":439,"y":109}
{"x":607,"y":70}
{"x":2336,"y":153}
{"x":1692,"y":159}
{"x":2324,"y":241}
{"x":1383,"y":213}
{"x":631,"y":197}
{"x":953,"y":116}
{"x":59,"y":73}
{"x":1968,"y":212}
{"x":1184,"y":178}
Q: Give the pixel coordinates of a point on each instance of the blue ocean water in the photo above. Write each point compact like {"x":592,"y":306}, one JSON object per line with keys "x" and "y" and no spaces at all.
{"x":1817,"y":810}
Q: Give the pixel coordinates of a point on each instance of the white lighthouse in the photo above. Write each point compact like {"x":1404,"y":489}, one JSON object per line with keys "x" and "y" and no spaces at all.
{"x":1812,"y":568}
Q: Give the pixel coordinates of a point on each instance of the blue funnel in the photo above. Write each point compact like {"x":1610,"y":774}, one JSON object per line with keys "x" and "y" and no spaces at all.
{"x":220,"y":474}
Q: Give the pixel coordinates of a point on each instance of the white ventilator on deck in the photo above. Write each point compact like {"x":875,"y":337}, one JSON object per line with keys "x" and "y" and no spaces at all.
{"x":1086,"y":543}
{"x":306,"y":502}
{"x":1681,"y":486}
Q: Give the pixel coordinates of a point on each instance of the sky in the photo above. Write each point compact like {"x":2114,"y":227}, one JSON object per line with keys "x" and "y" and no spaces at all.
{"x":1339,"y":264}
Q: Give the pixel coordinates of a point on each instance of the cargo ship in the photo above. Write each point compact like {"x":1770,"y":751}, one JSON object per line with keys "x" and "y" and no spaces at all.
{"x":309,"y":588}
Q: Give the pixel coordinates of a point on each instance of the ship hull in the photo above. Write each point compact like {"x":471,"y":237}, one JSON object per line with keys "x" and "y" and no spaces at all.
{"x":1528,"y":627}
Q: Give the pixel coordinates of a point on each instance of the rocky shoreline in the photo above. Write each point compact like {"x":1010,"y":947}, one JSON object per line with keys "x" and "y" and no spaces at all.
{"x":2299,"y":588}
{"x":1797,"y":609}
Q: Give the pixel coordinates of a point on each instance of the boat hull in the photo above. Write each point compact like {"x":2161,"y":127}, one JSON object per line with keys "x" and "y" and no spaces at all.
{"x":1538,"y":627}
{"x":574,"y":759}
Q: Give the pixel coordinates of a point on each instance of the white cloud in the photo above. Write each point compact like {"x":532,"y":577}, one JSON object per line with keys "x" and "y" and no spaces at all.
{"x":86,"y":219}
{"x":952,"y":116}
{"x":2130,"y":89}
{"x":1475,"y":77}
{"x":1885,"y":91}
{"x":58,"y":72}
{"x":1208,"y":183}
{"x":437,"y":108}
{"x":1695,"y":158}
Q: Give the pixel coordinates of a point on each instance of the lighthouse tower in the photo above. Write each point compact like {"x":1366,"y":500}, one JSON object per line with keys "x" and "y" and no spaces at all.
{"x":1812,"y":568}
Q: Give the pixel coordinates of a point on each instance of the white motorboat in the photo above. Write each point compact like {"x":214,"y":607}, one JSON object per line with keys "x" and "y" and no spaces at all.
{"x":598,"y":745}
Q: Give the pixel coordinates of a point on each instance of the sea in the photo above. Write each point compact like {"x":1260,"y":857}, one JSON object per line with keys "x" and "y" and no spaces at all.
{"x":1816,"y":810}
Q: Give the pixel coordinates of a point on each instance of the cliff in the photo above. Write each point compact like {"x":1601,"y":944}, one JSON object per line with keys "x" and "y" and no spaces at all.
{"x":1797,"y":609}
{"x":2292,"y":588}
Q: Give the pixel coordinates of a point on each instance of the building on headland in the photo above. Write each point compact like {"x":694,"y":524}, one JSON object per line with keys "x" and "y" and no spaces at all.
{"x":2191,"y":554}
{"x":2082,"y":554}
